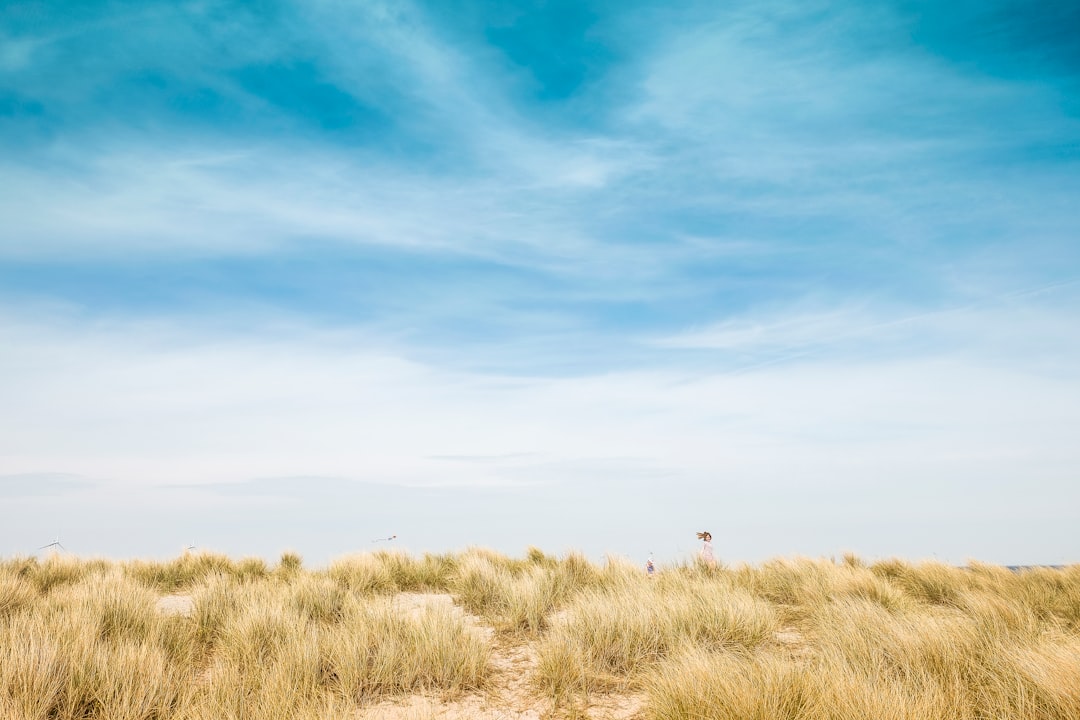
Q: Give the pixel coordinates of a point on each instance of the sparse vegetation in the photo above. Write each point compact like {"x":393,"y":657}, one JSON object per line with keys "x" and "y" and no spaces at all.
{"x":789,"y":639}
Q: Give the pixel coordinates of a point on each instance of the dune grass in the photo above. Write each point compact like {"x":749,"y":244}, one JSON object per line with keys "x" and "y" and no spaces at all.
{"x":610,"y":637}
{"x":85,"y":639}
{"x":796,"y":639}
{"x":890,"y":640}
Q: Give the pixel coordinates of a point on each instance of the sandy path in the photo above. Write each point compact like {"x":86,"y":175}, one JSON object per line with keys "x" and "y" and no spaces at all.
{"x":509,"y":695}
{"x":507,"y":698}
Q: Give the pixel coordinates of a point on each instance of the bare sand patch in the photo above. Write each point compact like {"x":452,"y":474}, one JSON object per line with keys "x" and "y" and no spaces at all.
{"x":176,"y":605}
{"x":793,"y":642}
{"x":615,"y":707}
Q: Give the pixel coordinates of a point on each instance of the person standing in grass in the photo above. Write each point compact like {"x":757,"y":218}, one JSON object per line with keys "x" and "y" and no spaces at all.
{"x":706,"y":548}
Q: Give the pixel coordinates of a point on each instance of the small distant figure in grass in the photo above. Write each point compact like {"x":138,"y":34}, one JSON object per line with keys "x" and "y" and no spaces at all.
{"x":650,"y":568}
{"x":706,"y":548}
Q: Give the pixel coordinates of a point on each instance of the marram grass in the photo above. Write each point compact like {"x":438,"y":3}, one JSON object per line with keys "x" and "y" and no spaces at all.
{"x":791,"y":639}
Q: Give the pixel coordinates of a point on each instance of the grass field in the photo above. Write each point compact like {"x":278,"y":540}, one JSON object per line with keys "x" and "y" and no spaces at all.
{"x":478,"y":634}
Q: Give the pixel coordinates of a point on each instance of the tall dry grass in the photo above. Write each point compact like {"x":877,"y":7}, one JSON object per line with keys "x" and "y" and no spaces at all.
{"x":519,"y":597}
{"x":608,"y":637}
{"x":892,"y":640}
{"x":798,"y":639}
{"x":92,"y":647}
{"x":86,"y":639}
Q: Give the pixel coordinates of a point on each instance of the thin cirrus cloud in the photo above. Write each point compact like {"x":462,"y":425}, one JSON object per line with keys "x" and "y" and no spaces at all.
{"x":781,"y":244}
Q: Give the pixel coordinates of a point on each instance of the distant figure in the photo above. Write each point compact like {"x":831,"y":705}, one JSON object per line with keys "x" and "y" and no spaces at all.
{"x":649,"y":567}
{"x":706,"y":548}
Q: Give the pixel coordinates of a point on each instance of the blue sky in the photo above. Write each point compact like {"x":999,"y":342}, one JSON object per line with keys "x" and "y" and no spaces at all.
{"x":569,"y":274}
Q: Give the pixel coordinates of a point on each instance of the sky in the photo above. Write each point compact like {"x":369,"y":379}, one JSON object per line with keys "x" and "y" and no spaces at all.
{"x":569,"y":274}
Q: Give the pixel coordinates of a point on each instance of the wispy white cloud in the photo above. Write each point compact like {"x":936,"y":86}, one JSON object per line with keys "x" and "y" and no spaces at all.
{"x":1013,"y":329}
{"x":225,"y":199}
{"x":846,"y":121}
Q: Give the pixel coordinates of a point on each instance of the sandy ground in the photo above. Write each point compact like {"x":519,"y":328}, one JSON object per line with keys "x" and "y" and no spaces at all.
{"x":176,"y":604}
{"x":793,"y":642}
{"x":508,"y":695}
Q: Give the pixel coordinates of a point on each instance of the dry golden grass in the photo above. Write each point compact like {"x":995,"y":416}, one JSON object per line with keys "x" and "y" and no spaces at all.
{"x":793,"y":639}
{"x":84,"y":639}
{"x":609,"y":638}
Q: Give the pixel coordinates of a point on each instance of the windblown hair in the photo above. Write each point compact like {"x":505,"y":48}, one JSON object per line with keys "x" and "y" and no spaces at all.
{"x":705,"y":535}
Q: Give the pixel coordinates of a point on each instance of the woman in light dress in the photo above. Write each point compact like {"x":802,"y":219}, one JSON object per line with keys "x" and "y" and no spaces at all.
{"x":706,"y":548}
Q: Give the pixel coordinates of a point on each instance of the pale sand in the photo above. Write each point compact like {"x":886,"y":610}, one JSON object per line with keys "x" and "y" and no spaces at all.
{"x":176,"y":605}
